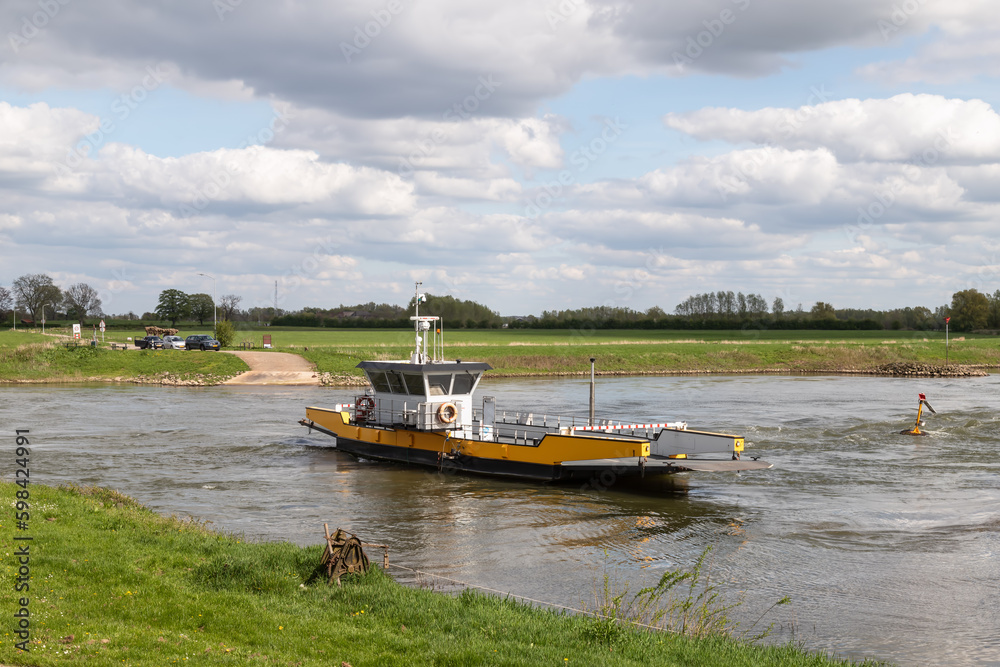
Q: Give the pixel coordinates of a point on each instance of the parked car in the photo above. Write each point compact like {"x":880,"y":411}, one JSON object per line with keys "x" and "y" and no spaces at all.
{"x":149,"y":343}
{"x":173,"y":343}
{"x":201,"y":342}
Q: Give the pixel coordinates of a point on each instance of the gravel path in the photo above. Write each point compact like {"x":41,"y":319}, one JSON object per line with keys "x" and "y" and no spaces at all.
{"x":275,"y":368}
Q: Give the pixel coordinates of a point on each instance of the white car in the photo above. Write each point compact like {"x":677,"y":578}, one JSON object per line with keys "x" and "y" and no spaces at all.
{"x":173,"y":343}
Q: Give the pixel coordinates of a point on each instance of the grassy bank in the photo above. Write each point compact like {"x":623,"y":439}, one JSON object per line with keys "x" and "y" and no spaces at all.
{"x":26,"y":357}
{"x":527,"y":352}
{"x":114,"y":584}
{"x":515,"y":353}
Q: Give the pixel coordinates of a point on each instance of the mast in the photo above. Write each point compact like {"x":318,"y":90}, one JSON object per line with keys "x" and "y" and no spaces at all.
{"x":421,"y":326}
{"x":418,"y":356}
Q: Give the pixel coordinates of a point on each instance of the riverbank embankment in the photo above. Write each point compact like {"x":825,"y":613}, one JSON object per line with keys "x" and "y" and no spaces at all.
{"x":332,"y":360}
{"x":113,"y":583}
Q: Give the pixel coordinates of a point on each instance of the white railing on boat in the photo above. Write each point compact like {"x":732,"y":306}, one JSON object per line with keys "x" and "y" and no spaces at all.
{"x":526,"y":427}
{"x":677,"y":426}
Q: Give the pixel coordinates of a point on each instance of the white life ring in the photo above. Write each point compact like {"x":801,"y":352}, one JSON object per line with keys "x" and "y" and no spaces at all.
{"x":447,"y":413}
{"x":365,"y":409}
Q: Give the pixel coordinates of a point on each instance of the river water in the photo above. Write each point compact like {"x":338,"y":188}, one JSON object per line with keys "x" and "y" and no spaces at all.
{"x":888,"y":545}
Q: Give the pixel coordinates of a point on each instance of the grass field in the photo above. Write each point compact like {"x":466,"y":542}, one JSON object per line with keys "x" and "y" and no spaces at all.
{"x":111,"y":583}
{"x":35,"y":358}
{"x":519,"y":352}
{"x":545,"y":352}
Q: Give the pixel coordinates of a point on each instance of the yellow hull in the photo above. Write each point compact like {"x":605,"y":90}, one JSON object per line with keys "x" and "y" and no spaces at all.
{"x":542,"y":460}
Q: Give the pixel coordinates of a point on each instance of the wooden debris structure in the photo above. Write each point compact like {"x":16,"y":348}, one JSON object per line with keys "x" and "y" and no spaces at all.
{"x":344,"y":554}
{"x":160,"y":331}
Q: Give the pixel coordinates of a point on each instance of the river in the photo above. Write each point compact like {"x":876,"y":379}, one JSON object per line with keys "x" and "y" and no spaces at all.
{"x":888,"y":545}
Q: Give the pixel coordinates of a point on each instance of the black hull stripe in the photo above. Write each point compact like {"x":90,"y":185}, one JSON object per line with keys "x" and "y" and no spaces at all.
{"x":484,"y":466}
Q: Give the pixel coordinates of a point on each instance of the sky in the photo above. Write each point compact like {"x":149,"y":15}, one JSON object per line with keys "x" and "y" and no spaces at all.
{"x":527,"y":155}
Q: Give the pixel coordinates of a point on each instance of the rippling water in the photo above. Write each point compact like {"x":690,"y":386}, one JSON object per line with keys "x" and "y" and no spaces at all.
{"x":887,"y":544}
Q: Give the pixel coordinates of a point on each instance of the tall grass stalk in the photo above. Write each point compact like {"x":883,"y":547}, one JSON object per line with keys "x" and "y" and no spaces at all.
{"x":684,"y":602}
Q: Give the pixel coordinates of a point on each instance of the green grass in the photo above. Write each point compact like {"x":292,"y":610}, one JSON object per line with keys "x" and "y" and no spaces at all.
{"x":33,"y":357}
{"x":518,"y":352}
{"x":563,"y":352}
{"x":114,"y":584}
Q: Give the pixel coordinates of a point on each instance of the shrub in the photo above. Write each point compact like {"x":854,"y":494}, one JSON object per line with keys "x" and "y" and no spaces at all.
{"x":225,"y":332}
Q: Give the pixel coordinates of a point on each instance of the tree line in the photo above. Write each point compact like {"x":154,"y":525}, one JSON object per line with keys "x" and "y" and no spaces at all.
{"x":456,"y":313}
{"x":969,"y":310}
{"x":175,"y":305}
{"x":37,"y":295}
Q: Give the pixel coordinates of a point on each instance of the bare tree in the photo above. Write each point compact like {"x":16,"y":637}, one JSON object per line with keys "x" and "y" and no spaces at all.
{"x":6,"y":300}
{"x":33,"y":290}
{"x":229,"y":304}
{"x":82,"y":299}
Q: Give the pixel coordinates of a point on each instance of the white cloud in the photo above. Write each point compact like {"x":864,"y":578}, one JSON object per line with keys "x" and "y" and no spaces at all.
{"x":482,"y":147}
{"x":497,"y":189}
{"x":677,"y":234}
{"x":432,"y":55}
{"x":925,"y":129}
{"x":760,"y":174}
{"x":35,"y":136}
{"x":41,"y":138}
{"x":409,"y":161}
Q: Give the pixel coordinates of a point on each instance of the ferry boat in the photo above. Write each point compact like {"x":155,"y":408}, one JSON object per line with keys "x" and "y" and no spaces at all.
{"x":421,"y":411}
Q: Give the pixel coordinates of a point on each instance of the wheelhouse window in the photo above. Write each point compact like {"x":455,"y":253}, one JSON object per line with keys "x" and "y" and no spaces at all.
{"x":379,"y":382}
{"x":414,"y":383}
{"x":464,"y":382}
{"x":439,"y":385}
{"x":395,"y":382}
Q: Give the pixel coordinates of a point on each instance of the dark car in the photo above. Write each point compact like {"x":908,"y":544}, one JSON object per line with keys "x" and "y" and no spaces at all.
{"x":201,"y":342}
{"x":149,"y":343}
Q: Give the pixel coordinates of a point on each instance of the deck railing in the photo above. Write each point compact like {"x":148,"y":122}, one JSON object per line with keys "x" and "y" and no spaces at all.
{"x":513,"y":426}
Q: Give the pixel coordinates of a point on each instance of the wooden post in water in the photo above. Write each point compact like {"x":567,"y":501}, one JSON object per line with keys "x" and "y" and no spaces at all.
{"x":946,"y":321}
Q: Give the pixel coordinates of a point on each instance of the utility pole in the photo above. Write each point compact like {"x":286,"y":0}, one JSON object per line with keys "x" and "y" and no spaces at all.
{"x":215,"y":318}
{"x":946,"y":321}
